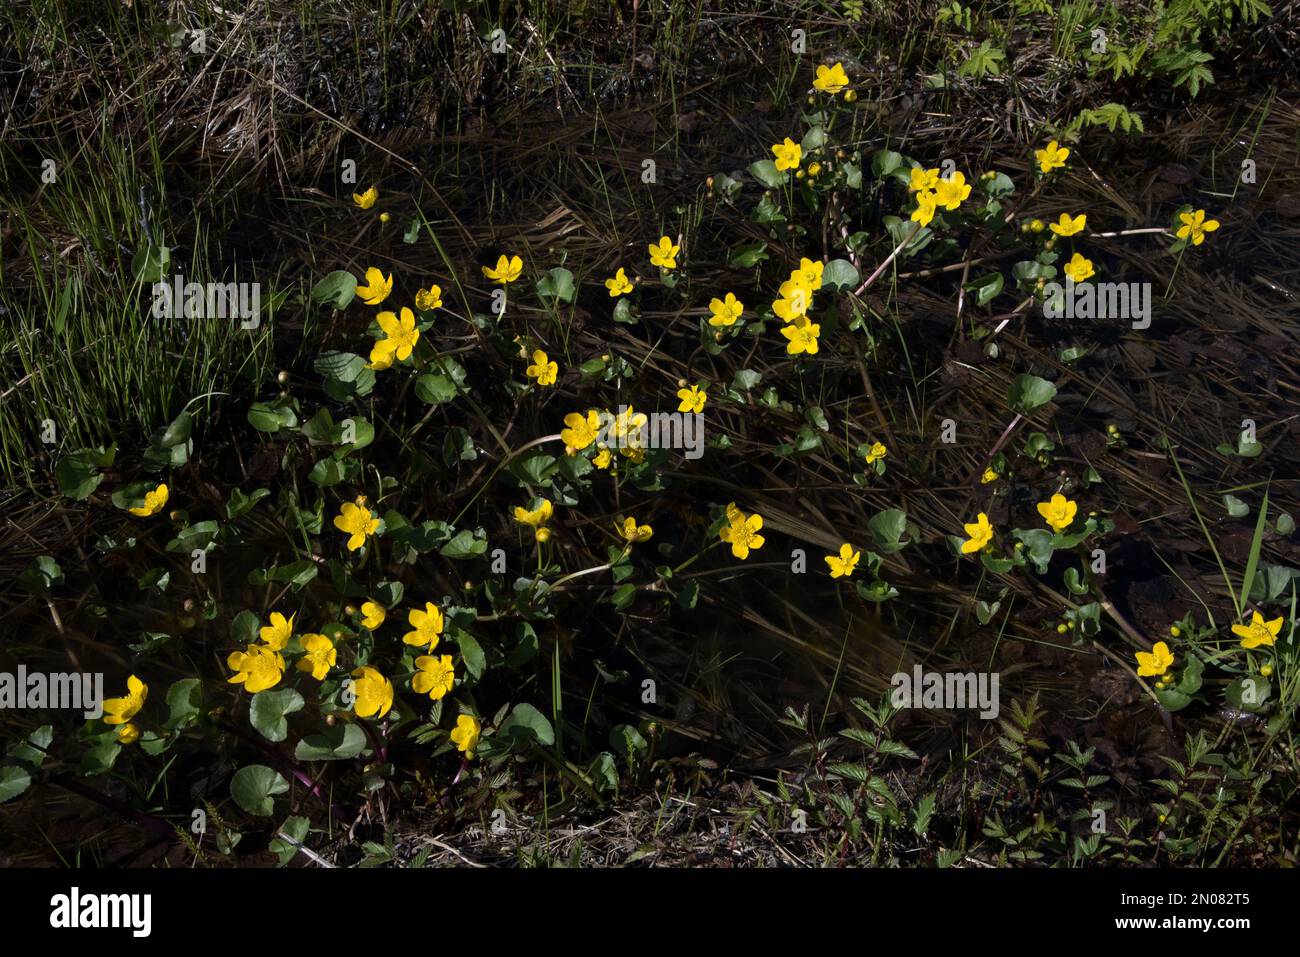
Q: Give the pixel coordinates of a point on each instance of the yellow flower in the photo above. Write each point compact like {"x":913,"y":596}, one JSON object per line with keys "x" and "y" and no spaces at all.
{"x":358,"y":522}
{"x":741,"y":531}
{"x":257,"y":669}
{"x":427,"y":625}
{"x":1067,"y":226}
{"x":380,"y":358}
{"x":385,"y":216}
{"x":619,"y":284}
{"x":153,"y":502}
{"x":367,"y":199}
{"x":320,"y":656}
{"x":1155,"y":662}
{"x":277,"y":634}
{"x":427,"y":300}
{"x":1258,"y":632}
{"x":372,"y":614}
{"x":536,"y":519}
{"x":922,"y":180}
{"x":1079,"y":268}
{"x":507,"y":270}
{"x":632,"y":532}
{"x":844,"y":565}
{"x":788,"y":154}
{"x":925,"y":207}
{"x":465,"y":734}
{"x":122,"y":710}
{"x":989,"y":476}
{"x":814,"y":169}
{"x":130,"y":734}
{"x":377,"y":287}
{"x":693,"y":399}
{"x":374,"y":693}
{"x":803,"y":338}
{"x":1196,"y":226}
{"x":402,"y":335}
{"x":543,"y":369}
{"x":1058,"y":512}
{"x":796,"y":300}
{"x":1053,"y":157}
{"x":877,"y":451}
{"x":831,"y":79}
{"x":980,"y":532}
{"x":630,"y":422}
{"x":809,"y":274}
{"x":435,"y":676}
{"x":951,"y":192}
{"x":725,"y":311}
{"x":602,"y":459}
{"x":580,"y":431}
{"x":664,"y":254}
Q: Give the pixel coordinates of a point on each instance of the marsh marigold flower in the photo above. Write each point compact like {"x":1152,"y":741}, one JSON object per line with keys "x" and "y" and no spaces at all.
{"x":725,"y":312}
{"x":844,"y":564}
{"x":796,"y":300}
{"x":1195,"y":226}
{"x":122,"y":710}
{"x":1053,"y":156}
{"x":1058,"y":512}
{"x":427,"y":624}
{"x":1258,"y":632}
{"x":402,"y":334}
{"x":803,"y":338}
{"x":663,"y":253}
{"x":831,"y":79}
{"x":979,"y":534}
{"x":788,"y":154}
{"x":427,"y":300}
{"x":536,"y":519}
{"x":357,"y":522}
{"x":257,"y":669}
{"x":580,"y":430}
{"x":373,"y":693}
{"x":920,"y":180}
{"x":507,"y":270}
{"x":543,"y":369}
{"x":372,"y":615}
{"x":631,"y":532}
{"x":377,"y":287}
{"x":465,"y":734}
{"x":989,"y":476}
{"x":809,"y":274}
{"x":618,"y":285}
{"x":319,"y":658}
{"x":602,"y":459}
{"x":434,"y":676}
{"x":153,"y":503}
{"x":951,"y":192}
{"x":277,"y":634}
{"x":130,"y":734}
{"x":1079,"y":268}
{"x":925,"y":208}
{"x":693,"y":399}
{"x":876,"y":452}
{"x":1154,"y":662}
{"x":741,"y":532}
{"x":367,"y":199}
{"x":1068,"y":225}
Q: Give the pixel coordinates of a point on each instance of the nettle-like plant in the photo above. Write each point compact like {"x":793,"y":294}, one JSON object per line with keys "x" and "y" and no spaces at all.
{"x":368,"y":617}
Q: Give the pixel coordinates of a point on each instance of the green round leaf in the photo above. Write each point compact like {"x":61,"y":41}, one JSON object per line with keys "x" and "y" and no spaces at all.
{"x":254,"y":789}
{"x":268,"y":710}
